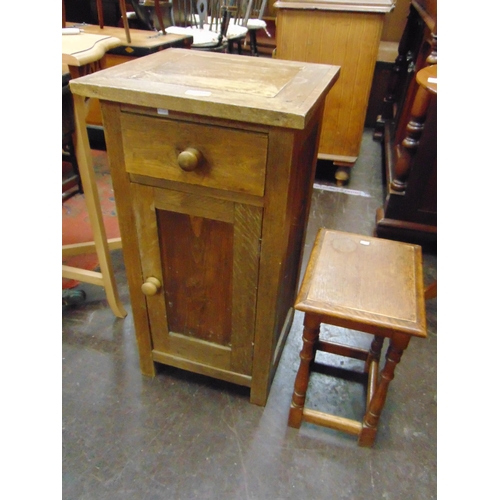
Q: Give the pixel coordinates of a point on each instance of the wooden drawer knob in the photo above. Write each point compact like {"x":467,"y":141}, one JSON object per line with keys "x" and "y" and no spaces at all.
{"x":189,"y":159}
{"x":151,"y":286}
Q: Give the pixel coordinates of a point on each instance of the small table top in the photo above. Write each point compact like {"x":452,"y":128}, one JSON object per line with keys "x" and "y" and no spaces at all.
{"x":369,"y":284}
{"x":427,"y":78}
{"x":246,"y":89}
{"x":143,"y":42}
{"x":85,"y":48}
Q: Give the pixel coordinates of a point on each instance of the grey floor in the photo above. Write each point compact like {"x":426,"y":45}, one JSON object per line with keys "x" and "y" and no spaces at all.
{"x":185,"y":436}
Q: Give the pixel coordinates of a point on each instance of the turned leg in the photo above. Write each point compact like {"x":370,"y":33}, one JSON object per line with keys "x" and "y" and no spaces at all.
{"x":375,"y":350}
{"x":310,"y":339}
{"x":396,"y":348}
{"x":408,"y":147}
{"x":404,"y":60}
{"x":432,"y":57}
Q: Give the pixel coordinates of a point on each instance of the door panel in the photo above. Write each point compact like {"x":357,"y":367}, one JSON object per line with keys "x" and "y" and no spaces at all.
{"x":197,"y":275}
{"x":205,"y":252}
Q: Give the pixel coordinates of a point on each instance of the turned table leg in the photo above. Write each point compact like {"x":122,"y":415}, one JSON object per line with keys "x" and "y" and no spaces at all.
{"x":409,"y":145}
{"x":396,"y":348}
{"x":375,"y":350}
{"x":310,"y":339}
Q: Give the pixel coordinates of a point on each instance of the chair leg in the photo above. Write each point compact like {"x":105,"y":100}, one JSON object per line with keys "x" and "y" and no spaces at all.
{"x":369,"y":430}
{"x":310,"y":339}
{"x":253,"y":43}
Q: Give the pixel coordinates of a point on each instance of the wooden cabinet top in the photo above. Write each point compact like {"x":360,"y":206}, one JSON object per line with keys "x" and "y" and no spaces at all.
{"x":380,"y":6}
{"x":245,"y":89}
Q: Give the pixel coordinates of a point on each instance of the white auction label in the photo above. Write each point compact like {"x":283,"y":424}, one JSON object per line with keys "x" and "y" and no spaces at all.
{"x":198,"y":93}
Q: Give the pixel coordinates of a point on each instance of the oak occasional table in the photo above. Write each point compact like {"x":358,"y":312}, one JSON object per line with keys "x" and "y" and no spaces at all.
{"x":212,"y":158}
{"x":366,"y":284}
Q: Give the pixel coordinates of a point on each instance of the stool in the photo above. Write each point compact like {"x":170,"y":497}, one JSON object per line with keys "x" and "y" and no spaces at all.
{"x":366,"y":284}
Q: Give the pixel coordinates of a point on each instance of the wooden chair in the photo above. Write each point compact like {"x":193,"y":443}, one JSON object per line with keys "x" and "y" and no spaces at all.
{"x":254,"y":22}
{"x":237,"y":30}
{"x":153,"y":15}
{"x":366,"y":284}
{"x":207,"y":21}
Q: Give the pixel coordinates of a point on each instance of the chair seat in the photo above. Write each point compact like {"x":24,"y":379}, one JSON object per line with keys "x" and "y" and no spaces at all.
{"x":256,"y":24}
{"x":201,"y":37}
{"x":233,"y":30}
{"x":252,"y":24}
{"x":236,"y":31}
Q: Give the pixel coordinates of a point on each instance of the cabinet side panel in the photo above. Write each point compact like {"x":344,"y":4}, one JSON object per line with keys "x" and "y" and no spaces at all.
{"x":197,"y":255}
{"x":299,"y":198}
{"x":349,"y":40}
{"x":275,"y":231}
{"x":247,"y":232}
{"x":290,"y":176}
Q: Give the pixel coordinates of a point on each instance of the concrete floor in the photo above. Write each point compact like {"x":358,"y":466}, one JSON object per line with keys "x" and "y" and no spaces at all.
{"x":185,"y":436}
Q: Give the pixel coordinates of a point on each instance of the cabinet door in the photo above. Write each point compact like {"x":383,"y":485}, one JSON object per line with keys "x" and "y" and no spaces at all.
{"x":205,"y":253}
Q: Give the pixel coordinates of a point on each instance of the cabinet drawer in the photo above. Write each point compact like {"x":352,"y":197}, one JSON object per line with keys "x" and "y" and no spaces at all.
{"x":231,"y":160}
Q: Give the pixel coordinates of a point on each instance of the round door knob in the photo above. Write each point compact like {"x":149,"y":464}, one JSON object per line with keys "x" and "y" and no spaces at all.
{"x":151,"y":286}
{"x":189,"y":159}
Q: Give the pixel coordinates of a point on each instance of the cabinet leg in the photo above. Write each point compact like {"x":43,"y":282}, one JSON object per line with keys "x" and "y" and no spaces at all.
{"x":343,"y":166}
{"x":342,"y":175}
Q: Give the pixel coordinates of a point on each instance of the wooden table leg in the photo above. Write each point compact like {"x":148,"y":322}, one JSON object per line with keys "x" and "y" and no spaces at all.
{"x":106,"y":277}
{"x":375,"y":350}
{"x":408,"y":147}
{"x":396,"y":348}
{"x":310,"y":339}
